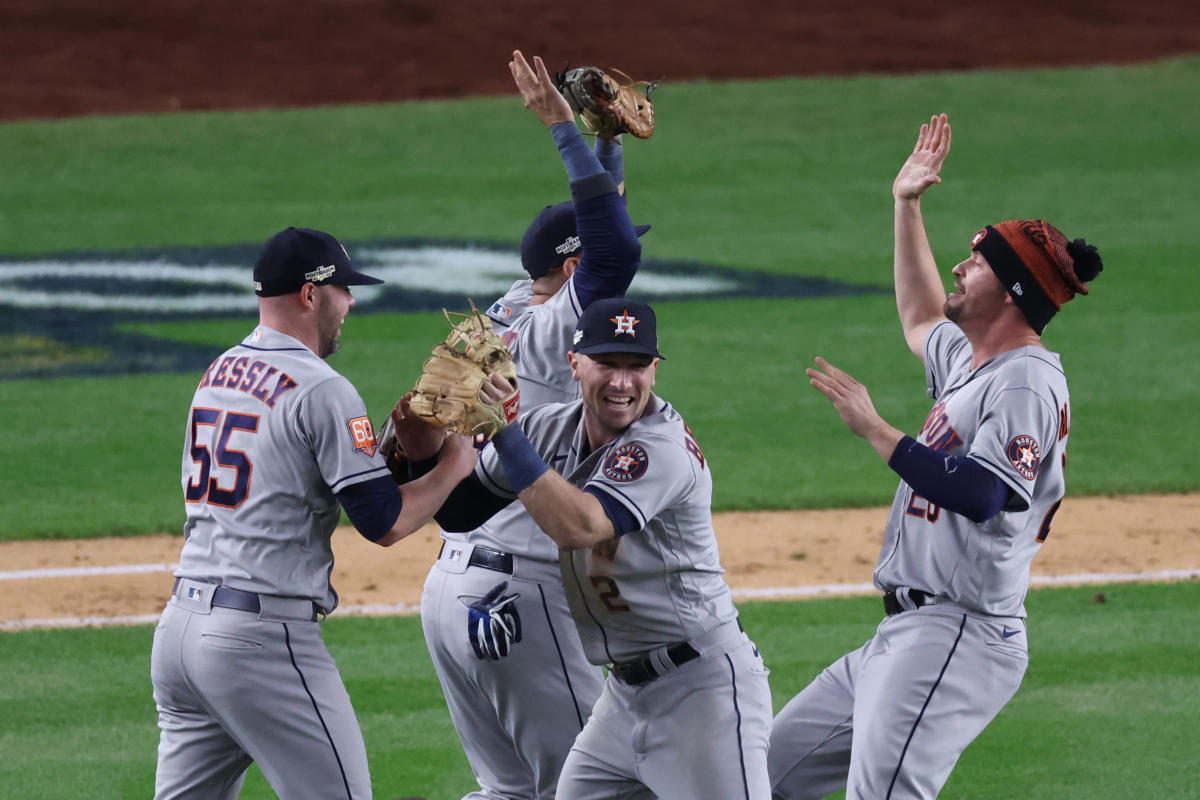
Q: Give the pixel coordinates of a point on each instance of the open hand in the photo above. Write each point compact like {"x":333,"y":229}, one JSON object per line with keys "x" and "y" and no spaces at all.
{"x":539,"y":91}
{"x":849,"y":397}
{"x":921,"y":169}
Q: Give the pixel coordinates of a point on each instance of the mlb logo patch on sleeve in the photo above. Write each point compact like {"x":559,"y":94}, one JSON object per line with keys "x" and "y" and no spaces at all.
{"x":363,"y":434}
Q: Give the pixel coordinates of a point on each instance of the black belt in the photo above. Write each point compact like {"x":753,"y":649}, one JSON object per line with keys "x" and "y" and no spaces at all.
{"x":228,"y":597}
{"x":892,"y":605}
{"x":642,"y":670}
{"x":487,"y":558}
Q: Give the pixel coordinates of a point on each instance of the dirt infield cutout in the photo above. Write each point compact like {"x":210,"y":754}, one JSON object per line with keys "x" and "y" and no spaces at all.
{"x":765,"y":553}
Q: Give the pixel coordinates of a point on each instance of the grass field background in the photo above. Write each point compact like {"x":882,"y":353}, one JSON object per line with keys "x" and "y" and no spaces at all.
{"x":1107,"y":708}
{"x":793,"y":176}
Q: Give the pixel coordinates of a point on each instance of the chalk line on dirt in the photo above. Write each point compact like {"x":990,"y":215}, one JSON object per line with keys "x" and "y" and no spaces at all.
{"x":401,"y":609}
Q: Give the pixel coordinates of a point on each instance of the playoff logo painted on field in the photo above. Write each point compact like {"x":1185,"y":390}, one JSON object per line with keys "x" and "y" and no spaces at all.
{"x":66,"y":313}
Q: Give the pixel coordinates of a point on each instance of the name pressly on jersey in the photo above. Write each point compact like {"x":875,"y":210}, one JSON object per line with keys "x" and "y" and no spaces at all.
{"x":240,"y":374}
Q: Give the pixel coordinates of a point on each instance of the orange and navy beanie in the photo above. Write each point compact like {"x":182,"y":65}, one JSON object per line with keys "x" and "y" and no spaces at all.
{"x":1037,"y":265}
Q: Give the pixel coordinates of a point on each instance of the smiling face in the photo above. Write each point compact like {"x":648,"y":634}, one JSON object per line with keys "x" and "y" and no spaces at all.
{"x":334,"y":302}
{"x":978,"y":296}
{"x":616,"y":390}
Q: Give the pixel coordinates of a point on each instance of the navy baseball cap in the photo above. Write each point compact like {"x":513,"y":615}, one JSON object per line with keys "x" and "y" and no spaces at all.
{"x":552,"y":238}
{"x":297,"y":256}
{"x":617,"y":325}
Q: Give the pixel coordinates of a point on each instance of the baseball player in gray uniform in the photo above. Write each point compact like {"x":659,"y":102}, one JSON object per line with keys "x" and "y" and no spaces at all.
{"x":275,"y":442}
{"x":980,"y":484}
{"x":517,"y":709}
{"x":686,"y":708}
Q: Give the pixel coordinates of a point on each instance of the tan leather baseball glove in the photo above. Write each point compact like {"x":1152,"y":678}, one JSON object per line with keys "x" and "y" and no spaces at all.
{"x":447,"y":393}
{"x":607,"y":106}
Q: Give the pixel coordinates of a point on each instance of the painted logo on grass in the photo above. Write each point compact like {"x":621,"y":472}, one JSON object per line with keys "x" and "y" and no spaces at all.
{"x":62,"y":314}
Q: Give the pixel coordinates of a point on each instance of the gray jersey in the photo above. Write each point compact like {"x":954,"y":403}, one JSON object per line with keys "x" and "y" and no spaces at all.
{"x":661,"y":583}
{"x":1012,"y":416}
{"x":538,"y":338}
{"x":273,"y":433}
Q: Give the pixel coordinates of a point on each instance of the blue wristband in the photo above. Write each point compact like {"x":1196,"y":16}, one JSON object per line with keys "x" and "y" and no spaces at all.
{"x":520,"y":461}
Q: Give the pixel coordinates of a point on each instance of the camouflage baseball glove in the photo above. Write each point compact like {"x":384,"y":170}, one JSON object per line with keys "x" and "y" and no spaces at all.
{"x":447,"y":393}
{"x":607,"y":106}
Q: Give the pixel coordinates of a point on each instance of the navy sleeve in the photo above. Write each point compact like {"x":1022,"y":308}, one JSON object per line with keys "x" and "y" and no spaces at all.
{"x":469,"y":506}
{"x":372,"y":505}
{"x":622,"y":519}
{"x":611,"y":250}
{"x":611,"y":156}
{"x":957,"y":483}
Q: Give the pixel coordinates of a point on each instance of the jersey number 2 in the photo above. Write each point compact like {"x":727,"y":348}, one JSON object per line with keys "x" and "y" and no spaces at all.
{"x":204,"y":485}
{"x":610,"y":592}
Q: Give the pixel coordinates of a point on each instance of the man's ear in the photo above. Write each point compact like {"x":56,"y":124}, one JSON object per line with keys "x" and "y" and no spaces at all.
{"x":308,"y":296}
{"x":573,"y":360}
{"x":568,"y":266}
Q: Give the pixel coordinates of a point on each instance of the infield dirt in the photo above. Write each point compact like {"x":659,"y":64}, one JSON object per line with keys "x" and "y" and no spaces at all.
{"x":759,"y":550}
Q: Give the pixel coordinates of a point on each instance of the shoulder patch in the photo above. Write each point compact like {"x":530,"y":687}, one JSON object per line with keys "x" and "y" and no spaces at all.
{"x":1026,"y":456}
{"x":500,"y":310}
{"x":626,"y":463}
{"x":363,"y":434}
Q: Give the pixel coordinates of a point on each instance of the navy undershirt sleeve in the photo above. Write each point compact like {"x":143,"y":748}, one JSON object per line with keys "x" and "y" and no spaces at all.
{"x":957,"y":483}
{"x":622,"y":519}
{"x":469,"y":505}
{"x":611,"y":250}
{"x":372,"y":506}
{"x":609,"y":154}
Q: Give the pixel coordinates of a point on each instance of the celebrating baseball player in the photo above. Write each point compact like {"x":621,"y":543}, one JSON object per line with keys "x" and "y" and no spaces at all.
{"x":979,"y":488}
{"x":519,"y":697}
{"x":686,"y":708}
{"x":275,"y":442}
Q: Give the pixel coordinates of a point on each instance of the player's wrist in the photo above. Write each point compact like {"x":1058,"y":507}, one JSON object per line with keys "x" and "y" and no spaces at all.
{"x":521,"y":462}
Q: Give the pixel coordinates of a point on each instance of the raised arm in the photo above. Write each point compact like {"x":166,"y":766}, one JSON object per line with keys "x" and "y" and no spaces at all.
{"x":611,"y":252}
{"x":920,"y":294}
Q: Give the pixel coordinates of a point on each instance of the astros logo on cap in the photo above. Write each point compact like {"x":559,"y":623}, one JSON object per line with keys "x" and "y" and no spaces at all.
{"x":624,"y":323}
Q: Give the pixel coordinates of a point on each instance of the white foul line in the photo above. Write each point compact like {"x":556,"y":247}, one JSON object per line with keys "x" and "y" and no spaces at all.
{"x":406,"y":609}
{"x":74,"y":572}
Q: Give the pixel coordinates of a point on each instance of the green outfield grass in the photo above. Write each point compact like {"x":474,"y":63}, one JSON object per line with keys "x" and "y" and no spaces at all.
{"x":1107,"y":709}
{"x":793,"y":177}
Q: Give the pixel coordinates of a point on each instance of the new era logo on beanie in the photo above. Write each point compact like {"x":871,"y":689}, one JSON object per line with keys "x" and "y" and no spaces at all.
{"x":552,"y":238}
{"x":296,"y":256}
{"x":617,"y":325}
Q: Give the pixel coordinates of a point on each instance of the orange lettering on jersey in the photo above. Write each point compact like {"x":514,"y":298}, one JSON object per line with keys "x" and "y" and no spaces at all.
{"x":606,"y":549}
{"x":1064,"y":423}
{"x":689,"y":442}
{"x":937,"y":433}
{"x":364,"y":436}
